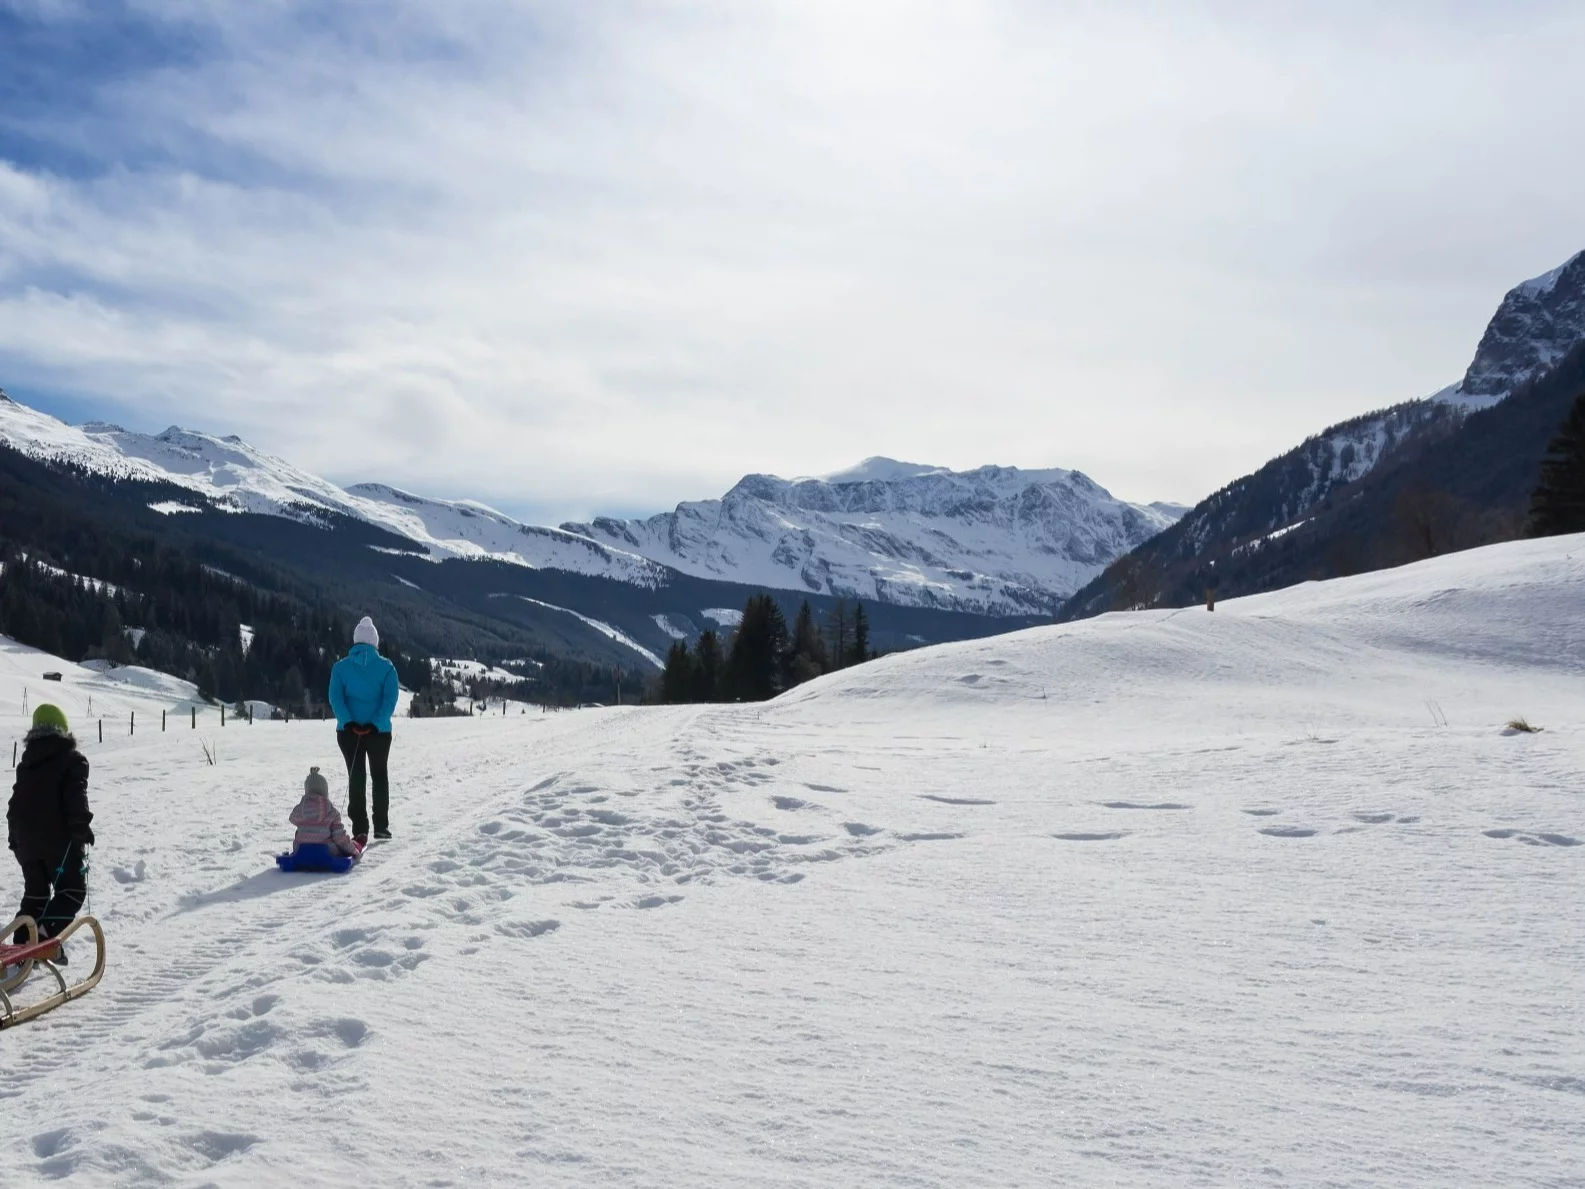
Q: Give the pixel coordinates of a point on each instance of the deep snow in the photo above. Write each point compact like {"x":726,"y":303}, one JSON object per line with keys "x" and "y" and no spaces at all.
{"x":1166,"y":898}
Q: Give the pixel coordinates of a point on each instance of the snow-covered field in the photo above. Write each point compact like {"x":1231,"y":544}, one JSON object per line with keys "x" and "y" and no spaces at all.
{"x":1161,"y":899}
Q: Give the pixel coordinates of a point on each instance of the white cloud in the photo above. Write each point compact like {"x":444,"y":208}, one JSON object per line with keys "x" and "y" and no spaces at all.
{"x":584,"y":258}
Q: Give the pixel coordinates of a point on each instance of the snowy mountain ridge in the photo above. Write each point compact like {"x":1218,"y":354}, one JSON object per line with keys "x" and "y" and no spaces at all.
{"x":997,"y":540}
{"x":228,"y":475}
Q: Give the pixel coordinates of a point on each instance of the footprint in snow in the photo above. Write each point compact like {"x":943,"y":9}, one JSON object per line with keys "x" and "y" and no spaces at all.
{"x":526,"y":929}
{"x":215,"y":1146}
{"x":954,"y":800}
{"x":52,"y":1143}
{"x":860,"y":830}
{"x":656,"y":901}
{"x":1288,"y":832}
{"x":1140,"y":805}
{"x":1533,"y":839}
{"x":1263,"y":812}
{"x":1092,"y":837}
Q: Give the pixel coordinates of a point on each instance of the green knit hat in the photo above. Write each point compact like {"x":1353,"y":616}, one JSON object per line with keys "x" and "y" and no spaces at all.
{"x":50,"y":716}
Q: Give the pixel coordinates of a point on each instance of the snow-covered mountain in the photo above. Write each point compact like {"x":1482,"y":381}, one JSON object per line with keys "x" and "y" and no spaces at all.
{"x":997,"y":540}
{"x":1534,"y":327}
{"x":1346,"y":498}
{"x":229,"y":475}
{"x":1537,"y":323}
{"x":994,"y":541}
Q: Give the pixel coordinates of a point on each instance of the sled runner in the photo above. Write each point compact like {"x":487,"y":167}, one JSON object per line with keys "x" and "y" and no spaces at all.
{"x":314,"y":856}
{"x":44,"y":953}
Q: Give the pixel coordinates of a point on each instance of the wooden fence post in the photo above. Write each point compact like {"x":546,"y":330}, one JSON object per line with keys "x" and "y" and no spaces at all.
{"x":132,"y":722}
{"x":162,"y":720}
{"x":101,"y":730}
{"x":222,"y":714}
{"x":195,"y":717}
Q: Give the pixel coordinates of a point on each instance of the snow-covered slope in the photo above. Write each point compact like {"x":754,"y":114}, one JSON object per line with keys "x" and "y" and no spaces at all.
{"x":229,"y":474}
{"x":996,"y":540}
{"x":1159,"y":899}
{"x":464,"y":528}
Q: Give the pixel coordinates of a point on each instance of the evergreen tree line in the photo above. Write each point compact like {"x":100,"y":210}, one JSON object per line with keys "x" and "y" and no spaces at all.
{"x":1558,"y":505}
{"x":177,"y":616}
{"x":762,"y":658}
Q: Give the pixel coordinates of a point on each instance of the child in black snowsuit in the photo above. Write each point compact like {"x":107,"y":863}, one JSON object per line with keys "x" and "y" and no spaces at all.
{"x":48,"y":824}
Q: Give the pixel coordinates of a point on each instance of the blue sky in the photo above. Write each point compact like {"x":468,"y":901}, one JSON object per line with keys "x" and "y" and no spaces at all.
{"x":573,"y":259}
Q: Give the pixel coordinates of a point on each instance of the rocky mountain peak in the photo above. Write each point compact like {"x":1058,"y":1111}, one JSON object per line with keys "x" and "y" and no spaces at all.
{"x":1534,"y":327}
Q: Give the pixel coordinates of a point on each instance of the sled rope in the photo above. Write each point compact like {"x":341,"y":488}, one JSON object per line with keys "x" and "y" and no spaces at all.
{"x":60,"y":870}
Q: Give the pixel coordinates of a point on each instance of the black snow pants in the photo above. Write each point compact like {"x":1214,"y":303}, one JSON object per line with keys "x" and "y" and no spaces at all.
{"x":375,"y":749}
{"x":53,"y":895}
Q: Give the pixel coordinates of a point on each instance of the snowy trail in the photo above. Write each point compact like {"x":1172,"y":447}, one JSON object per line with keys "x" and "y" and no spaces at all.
{"x":1167,"y":899}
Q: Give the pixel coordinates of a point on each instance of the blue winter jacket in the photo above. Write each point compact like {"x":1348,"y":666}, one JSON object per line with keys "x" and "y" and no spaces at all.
{"x":363,"y":688}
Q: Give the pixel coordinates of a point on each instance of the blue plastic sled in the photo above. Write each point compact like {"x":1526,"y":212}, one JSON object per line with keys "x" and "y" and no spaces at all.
{"x":314,"y":856}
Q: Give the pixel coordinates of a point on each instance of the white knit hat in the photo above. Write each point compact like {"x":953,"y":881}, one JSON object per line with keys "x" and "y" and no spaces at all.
{"x":365,"y":633}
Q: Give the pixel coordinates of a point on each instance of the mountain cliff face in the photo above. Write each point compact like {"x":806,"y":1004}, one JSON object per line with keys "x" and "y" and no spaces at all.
{"x":996,"y":540}
{"x":1537,"y":323}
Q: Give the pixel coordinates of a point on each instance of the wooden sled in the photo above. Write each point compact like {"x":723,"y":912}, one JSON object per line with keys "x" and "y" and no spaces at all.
{"x":42,"y":953}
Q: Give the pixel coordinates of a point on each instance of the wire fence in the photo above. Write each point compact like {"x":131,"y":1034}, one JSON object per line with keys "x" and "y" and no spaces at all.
{"x":130,"y":724}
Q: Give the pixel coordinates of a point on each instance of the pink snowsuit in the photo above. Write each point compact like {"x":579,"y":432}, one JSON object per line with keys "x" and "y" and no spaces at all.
{"x":316,"y":820}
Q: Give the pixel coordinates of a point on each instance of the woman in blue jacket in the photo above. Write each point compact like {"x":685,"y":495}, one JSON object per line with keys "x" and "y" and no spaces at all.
{"x":363,"y":689}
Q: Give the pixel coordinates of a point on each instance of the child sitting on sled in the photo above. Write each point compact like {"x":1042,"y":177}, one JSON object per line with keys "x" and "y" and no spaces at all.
{"x":47,"y":825}
{"x":318,"y":823}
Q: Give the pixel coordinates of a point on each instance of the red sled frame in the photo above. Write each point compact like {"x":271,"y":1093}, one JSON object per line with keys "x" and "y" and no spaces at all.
{"x":42,"y":953}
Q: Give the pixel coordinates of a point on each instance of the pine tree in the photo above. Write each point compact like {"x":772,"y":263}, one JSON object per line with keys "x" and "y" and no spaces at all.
{"x":1558,"y":504}
{"x":678,"y":678}
{"x":837,"y":633}
{"x":807,"y":657}
{"x":861,"y":636}
{"x":759,"y":648}
{"x":706,"y":668}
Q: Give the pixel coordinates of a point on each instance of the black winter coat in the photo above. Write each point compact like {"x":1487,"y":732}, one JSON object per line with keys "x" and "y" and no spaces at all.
{"x":49,"y":802}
